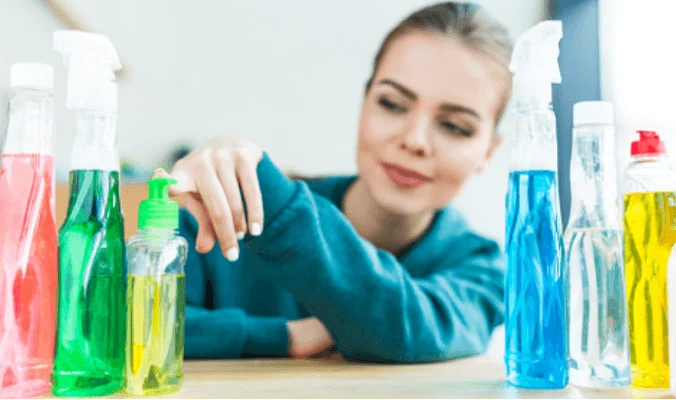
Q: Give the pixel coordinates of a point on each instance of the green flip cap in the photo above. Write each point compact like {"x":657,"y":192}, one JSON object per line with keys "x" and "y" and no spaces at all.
{"x":158,"y":211}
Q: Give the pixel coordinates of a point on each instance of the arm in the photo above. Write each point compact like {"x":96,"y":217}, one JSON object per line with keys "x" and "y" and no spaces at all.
{"x":374,"y":309}
{"x":226,"y":332}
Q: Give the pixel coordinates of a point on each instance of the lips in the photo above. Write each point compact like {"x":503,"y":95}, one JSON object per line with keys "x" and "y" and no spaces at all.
{"x":405,"y":178}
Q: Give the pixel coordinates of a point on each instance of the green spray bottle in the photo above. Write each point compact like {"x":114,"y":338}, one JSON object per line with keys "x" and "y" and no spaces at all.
{"x":89,"y":358}
{"x":156,"y":256}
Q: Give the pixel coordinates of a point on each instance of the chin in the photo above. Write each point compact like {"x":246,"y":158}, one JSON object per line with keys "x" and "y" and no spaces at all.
{"x":401,"y":202}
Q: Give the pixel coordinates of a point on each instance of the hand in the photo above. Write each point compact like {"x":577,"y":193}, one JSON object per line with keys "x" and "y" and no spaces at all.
{"x":308,"y":337}
{"x":212,"y":177}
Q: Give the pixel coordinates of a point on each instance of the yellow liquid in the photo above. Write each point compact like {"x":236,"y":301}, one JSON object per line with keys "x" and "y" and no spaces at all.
{"x":649,"y":235}
{"x":155,"y":334}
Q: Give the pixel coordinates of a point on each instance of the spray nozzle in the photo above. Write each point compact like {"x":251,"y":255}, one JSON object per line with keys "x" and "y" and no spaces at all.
{"x":158,"y":211}
{"x":535,"y":61}
{"x":91,"y":60}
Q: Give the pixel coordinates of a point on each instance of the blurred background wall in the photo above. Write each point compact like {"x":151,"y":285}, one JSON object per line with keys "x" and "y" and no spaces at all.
{"x":287,"y":74}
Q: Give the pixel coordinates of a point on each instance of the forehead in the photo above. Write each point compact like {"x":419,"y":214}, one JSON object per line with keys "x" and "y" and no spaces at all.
{"x":439,"y":69}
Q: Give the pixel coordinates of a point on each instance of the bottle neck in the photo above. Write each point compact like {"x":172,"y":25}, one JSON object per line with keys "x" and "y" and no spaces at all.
{"x":95,"y":142}
{"x":95,"y":193}
{"x":531,"y":105}
{"x":593,"y":177}
{"x":534,"y":147}
{"x":157,"y":238}
{"x":158,"y":233}
{"x":649,"y":173}
{"x":648,"y":158}
{"x":30,"y":126}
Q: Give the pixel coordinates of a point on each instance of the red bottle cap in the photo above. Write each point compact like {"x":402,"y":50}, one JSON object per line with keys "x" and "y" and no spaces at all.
{"x":648,"y":145}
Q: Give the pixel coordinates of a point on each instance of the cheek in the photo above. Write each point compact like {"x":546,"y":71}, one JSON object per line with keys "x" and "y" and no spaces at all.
{"x":377,"y":128}
{"x":457,"y":164}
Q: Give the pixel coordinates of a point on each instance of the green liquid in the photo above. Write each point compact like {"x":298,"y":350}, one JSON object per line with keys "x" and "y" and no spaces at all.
{"x":90,"y":348}
{"x":155,"y":332}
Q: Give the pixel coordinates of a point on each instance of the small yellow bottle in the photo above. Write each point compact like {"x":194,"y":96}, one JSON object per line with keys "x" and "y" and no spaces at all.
{"x":649,"y":235}
{"x":156,"y":297}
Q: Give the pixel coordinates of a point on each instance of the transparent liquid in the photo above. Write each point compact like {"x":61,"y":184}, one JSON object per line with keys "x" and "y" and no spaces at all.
{"x":598,"y":338}
{"x":649,"y":235}
{"x":536,"y":350}
{"x":155,"y":333}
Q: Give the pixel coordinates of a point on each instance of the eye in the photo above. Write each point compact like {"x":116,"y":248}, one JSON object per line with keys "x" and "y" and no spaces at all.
{"x":391,"y":106}
{"x":455,"y":129}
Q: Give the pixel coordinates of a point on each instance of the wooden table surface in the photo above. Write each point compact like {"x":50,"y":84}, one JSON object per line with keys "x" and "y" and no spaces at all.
{"x":481,"y":377}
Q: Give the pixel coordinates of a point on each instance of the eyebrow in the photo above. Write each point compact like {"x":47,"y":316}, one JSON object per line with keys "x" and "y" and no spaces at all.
{"x":444,"y":107}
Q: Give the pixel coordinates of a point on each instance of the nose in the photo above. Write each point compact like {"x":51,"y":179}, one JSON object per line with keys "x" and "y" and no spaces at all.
{"x":416,"y":138}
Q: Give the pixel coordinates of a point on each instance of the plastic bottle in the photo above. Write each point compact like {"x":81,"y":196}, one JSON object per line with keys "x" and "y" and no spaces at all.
{"x":599,"y":345}
{"x":536,"y":353}
{"x":671,"y":289}
{"x":90,"y":352}
{"x":156,"y":296}
{"x":28,"y":244}
{"x":649,"y":235}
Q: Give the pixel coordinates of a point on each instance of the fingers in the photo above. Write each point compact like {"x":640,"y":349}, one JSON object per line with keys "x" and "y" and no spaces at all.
{"x":160,"y":173}
{"x":206,"y":237}
{"x":248,"y":181}
{"x":185,"y":180}
{"x":220,"y":214}
{"x":219,"y":179}
{"x":228,"y":179}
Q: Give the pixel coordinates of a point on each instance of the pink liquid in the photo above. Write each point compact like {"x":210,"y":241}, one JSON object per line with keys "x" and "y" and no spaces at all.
{"x":28,"y":274}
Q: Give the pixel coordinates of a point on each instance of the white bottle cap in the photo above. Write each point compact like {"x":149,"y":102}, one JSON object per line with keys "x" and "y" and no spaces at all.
{"x":593,"y":113}
{"x":31,"y":76}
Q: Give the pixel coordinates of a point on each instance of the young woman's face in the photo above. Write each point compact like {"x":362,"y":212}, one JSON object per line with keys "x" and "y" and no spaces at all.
{"x":427,"y":122}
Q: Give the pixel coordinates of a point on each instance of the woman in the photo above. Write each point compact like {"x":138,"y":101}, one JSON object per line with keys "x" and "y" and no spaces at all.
{"x":377,"y":266}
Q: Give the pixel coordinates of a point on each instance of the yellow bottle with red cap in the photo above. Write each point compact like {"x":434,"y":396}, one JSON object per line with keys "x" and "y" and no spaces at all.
{"x":649,"y":235}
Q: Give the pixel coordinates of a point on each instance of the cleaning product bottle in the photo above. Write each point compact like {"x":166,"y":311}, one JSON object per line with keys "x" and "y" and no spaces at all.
{"x":536,"y":351}
{"x":649,"y":235}
{"x":599,"y":346}
{"x":28,"y":244}
{"x":156,"y":296}
{"x":89,"y":358}
{"x":671,"y":305}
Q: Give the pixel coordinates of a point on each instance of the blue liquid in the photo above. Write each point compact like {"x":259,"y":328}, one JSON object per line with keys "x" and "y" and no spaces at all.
{"x":536,"y":349}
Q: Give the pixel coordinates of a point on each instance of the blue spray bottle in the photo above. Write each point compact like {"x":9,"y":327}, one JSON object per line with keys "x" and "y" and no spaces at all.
{"x":536,"y":345}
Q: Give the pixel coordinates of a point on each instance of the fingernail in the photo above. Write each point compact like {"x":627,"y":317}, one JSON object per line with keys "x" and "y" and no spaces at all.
{"x":256,"y":229}
{"x":240,"y":235}
{"x":232,"y":254}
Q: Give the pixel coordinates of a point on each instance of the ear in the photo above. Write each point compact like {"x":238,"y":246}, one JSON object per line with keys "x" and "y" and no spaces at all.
{"x":495,"y":143}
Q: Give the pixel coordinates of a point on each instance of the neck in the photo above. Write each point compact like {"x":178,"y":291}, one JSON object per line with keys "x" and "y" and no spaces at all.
{"x":94,"y":143}
{"x":594,"y":194}
{"x":386,"y":230}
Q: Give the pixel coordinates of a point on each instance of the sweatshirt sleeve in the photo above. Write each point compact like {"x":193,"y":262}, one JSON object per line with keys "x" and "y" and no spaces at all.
{"x":374,"y":309}
{"x":223,"y":332}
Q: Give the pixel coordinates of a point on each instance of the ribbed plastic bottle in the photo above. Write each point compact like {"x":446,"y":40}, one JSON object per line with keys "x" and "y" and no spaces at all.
{"x":649,"y":236}
{"x":90,"y":351}
{"x":28,"y":244}
{"x":536,"y":348}
{"x":599,"y":345}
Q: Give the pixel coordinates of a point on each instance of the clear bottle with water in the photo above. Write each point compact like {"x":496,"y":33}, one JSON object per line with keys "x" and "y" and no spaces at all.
{"x":599,"y":348}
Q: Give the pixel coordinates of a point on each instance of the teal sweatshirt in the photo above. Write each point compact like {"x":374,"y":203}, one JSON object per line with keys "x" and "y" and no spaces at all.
{"x":439,"y":299}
